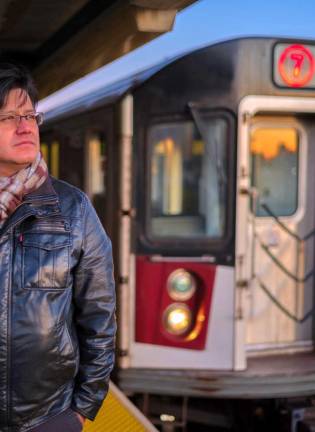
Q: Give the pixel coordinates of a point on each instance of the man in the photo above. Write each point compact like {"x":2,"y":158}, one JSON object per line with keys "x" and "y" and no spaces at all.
{"x":57,"y":297}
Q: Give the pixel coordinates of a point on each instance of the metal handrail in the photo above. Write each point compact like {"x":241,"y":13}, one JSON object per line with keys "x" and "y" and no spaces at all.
{"x":280,"y":306}
{"x":285,"y":228}
{"x":310,"y":274}
{"x":281,"y":266}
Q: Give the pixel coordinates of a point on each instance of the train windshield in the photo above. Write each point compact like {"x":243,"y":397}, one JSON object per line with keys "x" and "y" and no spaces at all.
{"x":188,"y":185}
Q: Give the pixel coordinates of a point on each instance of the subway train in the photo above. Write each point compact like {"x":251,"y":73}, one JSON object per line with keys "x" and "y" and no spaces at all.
{"x":201,"y":168}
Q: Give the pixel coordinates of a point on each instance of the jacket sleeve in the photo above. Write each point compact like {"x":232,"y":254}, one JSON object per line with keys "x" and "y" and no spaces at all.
{"x":94,"y":315}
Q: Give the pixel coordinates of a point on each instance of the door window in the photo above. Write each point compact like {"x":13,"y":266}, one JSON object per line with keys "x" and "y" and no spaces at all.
{"x":275,"y":160}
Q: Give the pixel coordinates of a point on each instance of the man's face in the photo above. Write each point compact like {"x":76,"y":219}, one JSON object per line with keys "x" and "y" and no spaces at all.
{"x":19,"y":141}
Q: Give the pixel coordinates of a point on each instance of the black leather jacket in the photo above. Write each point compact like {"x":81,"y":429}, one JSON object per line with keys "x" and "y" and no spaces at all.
{"x":57,"y":299}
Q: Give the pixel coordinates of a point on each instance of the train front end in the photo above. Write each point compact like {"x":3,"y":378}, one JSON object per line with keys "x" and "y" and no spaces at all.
{"x":218,"y":280}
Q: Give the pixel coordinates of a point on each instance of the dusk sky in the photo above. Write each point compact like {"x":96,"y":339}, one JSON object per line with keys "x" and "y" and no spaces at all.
{"x":203,"y":23}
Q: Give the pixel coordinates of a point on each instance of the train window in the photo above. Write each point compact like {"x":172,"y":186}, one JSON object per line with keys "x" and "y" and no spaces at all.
{"x":274,"y":154}
{"x":96,"y":167}
{"x":54,"y":158}
{"x":188,"y":179}
{"x":44,"y":151}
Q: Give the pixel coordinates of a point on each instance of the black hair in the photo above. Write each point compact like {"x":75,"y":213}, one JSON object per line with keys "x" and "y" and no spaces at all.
{"x":15,"y":76}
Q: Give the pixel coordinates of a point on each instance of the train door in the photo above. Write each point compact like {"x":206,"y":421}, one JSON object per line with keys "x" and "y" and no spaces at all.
{"x":275,"y":223}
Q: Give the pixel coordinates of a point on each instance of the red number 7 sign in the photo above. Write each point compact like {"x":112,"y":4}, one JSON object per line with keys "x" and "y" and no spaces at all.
{"x":296,"y":65}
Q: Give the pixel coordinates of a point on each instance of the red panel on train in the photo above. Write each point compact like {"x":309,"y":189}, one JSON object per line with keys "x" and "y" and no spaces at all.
{"x":153,"y":301}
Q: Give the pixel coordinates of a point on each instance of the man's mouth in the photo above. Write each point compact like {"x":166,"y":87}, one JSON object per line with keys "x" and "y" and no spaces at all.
{"x":22,"y":143}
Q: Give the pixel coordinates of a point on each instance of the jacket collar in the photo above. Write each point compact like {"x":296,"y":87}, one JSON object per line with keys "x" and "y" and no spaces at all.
{"x":45,"y":192}
{"x":41,"y":203}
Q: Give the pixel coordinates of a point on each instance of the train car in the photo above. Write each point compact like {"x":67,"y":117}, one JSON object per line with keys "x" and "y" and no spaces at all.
{"x":202,"y":170}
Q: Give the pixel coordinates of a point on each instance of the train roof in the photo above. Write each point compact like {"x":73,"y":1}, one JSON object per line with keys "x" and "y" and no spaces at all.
{"x":108,"y":93}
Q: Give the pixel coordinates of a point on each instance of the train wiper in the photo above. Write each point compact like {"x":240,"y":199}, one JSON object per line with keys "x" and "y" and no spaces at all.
{"x":212,"y":143}
{"x":213,"y":175}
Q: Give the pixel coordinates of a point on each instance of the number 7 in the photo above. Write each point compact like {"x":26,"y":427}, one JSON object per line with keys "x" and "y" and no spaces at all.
{"x":298,"y":58}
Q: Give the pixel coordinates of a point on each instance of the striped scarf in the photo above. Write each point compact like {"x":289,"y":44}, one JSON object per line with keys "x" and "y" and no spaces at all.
{"x":13,"y":189}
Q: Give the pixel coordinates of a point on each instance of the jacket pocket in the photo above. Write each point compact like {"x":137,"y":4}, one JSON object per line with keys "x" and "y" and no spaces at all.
{"x":45,"y":260}
{"x":68,"y":353}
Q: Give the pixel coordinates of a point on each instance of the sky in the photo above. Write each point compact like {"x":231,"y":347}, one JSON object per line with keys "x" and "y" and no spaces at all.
{"x":203,"y":23}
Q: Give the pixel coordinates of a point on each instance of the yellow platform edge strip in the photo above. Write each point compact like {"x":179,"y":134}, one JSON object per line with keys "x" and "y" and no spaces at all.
{"x":118,"y":414}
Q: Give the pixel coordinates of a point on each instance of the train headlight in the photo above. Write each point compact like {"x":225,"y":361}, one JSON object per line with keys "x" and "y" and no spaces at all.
{"x":181,"y":285}
{"x":177,"y":318}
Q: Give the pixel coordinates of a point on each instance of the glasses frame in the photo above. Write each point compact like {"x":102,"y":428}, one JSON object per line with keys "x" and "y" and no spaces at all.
{"x":10,"y":119}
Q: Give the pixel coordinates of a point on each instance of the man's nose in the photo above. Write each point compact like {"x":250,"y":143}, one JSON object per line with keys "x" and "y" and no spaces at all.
{"x":23,"y":125}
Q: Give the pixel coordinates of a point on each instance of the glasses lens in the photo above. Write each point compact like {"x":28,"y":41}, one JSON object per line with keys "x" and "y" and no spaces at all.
{"x":39,"y":118}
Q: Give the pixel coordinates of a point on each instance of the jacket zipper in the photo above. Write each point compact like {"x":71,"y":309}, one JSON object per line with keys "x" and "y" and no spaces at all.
{"x":9,"y":309}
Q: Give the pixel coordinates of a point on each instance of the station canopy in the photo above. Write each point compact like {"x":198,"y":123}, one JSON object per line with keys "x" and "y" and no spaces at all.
{"x":61,"y":41}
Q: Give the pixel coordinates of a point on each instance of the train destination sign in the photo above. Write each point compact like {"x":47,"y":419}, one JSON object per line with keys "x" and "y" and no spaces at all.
{"x":294,"y":65}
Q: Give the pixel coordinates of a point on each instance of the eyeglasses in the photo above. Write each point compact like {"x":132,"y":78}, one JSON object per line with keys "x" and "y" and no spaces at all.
{"x":13,"y":120}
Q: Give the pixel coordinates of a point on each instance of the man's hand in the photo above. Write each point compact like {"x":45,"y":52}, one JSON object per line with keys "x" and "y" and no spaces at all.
{"x":81,"y":418}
